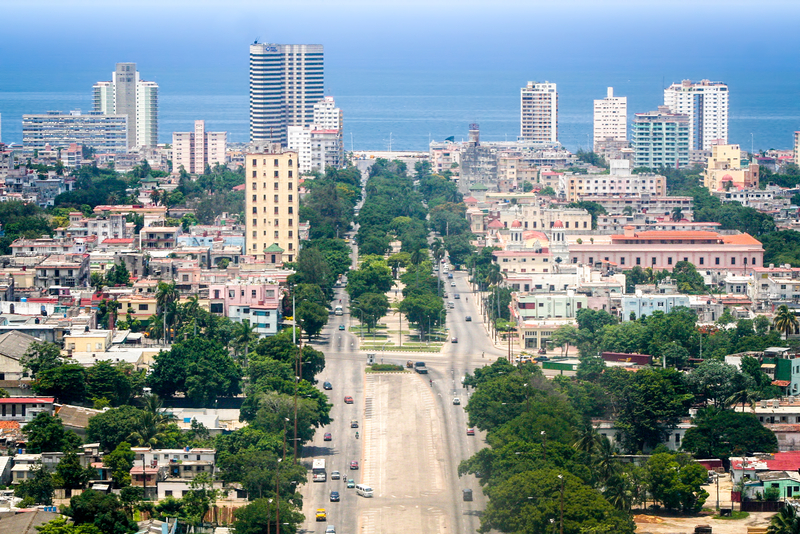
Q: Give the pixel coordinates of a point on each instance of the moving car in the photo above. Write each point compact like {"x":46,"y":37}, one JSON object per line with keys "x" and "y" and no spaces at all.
{"x":468,"y":318}
{"x":341,"y":327}
{"x":452,"y":284}
{"x":348,"y":399}
{"x":456,"y":401}
{"x":353,"y":465}
{"x":351,"y":483}
{"x":541,"y":359}
{"x":454,"y":340}
{"x":327,"y":436}
{"x":322,"y":515}
{"x":470,"y":431}
{"x":330,"y":529}
{"x":450,"y":276}
{"x":353,"y":424}
{"x":456,"y":296}
{"x":327,"y":385}
{"x":334,"y":496}
{"x":336,"y":475}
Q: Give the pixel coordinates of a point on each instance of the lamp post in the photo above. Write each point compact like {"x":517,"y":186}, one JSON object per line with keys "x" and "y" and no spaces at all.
{"x":561,"y":477}
{"x":278,"y":497}
{"x":544,"y":445}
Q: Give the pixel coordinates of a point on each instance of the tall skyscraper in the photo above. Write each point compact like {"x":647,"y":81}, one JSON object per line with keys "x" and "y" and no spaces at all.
{"x":127,"y":95}
{"x":706,"y":105}
{"x":194,"y":150}
{"x":610,"y":119}
{"x":539,"y":112}
{"x":285,"y":83}
{"x":271,"y":206}
{"x":660,"y":139}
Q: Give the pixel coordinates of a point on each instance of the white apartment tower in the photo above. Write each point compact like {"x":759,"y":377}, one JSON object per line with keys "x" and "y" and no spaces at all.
{"x":539,"y":112}
{"x":610,"y":119}
{"x":194,"y":150}
{"x":285,"y":83}
{"x":271,"y":206}
{"x":321,"y":144}
{"x":706,"y":105}
{"x":127,"y":95}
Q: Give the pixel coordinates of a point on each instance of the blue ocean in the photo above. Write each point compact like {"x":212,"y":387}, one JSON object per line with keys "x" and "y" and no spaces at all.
{"x":405,"y":108}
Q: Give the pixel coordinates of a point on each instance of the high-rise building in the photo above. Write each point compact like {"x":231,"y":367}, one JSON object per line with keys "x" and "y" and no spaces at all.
{"x":127,"y":95}
{"x":660,"y":139}
{"x":610,"y":119}
{"x":539,"y":112}
{"x":706,"y":105}
{"x":194,"y":150}
{"x":285,"y":83}
{"x":319,"y":145}
{"x":797,"y":148}
{"x":271,"y":206}
{"x":104,"y":133}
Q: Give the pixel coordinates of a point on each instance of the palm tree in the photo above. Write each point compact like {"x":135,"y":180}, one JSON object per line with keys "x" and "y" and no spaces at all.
{"x":785,"y":321}
{"x":244,"y":336}
{"x":618,"y":492}
{"x":677,"y":213}
{"x":588,"y":440}
{"x":745,"y":396}
{"x":150,"y":430}
{"x":418,"y":256}
{"x":628,"y":210}
{"x":166,"y":296}
{"x":785,"y":522}
{"x":605,"y":462}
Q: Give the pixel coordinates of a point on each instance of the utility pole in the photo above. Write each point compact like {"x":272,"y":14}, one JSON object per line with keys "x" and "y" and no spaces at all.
{"x":561,"y":530}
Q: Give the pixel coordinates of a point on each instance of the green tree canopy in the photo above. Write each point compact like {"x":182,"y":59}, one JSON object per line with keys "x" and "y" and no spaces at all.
{"x":724,"y":433}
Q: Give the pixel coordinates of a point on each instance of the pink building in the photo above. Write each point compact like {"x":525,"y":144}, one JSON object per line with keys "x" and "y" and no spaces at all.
{"x":258,"y":302}
{"x":662,"y":250}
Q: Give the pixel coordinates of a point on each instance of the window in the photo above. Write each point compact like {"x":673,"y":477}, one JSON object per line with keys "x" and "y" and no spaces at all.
{"x":291,"y":210}
{"x":653,"y":261}
{"x":622,"y":261}
{"x":716,"y":261}
{"x":276,"y":222}
{"x":275,"y":163}
{"x":276,"y":186}
{"x":276,"y":174}
{"x":255,"y":222}
{"x":290,"y":186}
{"x":255,"y":209}
{"x":255,"y":234}
{"x":276,"y":234}
{"x":254,"y":186}
{"x":638,"y":261}
{"x":276,"y":198}
{"x":254,"y":198}
{"x":290,"y":233}
{"x":702,"y":261}
{"x":276,"y":210}
{"x":143,"y":307}
{"x":733,"y":261}
{"x":255,"y":174}
{"x":290,"y":223}
{"x":290,"y":198}
{"x":252,"y":293}
{"x":290,"y":174}
{"x":669,"y":261}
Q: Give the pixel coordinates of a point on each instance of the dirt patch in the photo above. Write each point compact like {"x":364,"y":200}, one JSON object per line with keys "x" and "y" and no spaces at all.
{"x":685,"y":525}
{"x":647,"y":519}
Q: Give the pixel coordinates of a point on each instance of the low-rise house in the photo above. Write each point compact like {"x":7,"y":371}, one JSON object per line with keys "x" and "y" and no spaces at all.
{"x":25,"y":409}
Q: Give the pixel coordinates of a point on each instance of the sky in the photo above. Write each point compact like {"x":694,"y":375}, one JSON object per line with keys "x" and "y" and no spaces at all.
{"x":200,"y":46}
{"x":51,"y":38}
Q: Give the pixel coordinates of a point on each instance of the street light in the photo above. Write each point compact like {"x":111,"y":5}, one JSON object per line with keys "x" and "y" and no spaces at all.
{"x":561,"y":477}
{"x":544,"y":444}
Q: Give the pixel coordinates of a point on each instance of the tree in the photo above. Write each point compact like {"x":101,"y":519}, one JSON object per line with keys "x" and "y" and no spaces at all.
{"x":526,"y":503}
{"x":786,"y":521}
{"x":716,"y":381}
{"x":150,"y":430}
{"x":373,"y":276}
{"x":59,"y":525}
{"x":311,"y":317}
{"x":120,"y":461}
{"x":46,"y":433}
{"x":67,"y":383}
{"x":373,"y":306}
{"x":593,"y":208}
{"x":104,"y":511}
{"x":676,"y":481}
{"x":722,"y":433}
{"x":118,"y":275}
{"x":166,"y":297}
{"x":258,"y":517}
{"x":200,"y":368}
{"x":97,"y":281}
{"x":112,"y":426}
{"x":105,"y":380}
{"x":41,"y":357}
{"x":38,"y":488}
{"x":422,"y":310}
{"x":785,"y":321}
{"x":71,"y":474}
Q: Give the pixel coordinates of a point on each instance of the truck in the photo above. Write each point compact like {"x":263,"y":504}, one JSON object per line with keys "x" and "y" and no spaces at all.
{"x":420,"y":368}
{"x":318,"y":473}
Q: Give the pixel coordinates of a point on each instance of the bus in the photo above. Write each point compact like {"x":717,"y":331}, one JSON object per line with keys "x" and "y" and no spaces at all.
{"x":318,"y":473}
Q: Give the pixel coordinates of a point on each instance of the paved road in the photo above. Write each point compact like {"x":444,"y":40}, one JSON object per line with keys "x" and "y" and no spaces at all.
{"x":412,"y":435}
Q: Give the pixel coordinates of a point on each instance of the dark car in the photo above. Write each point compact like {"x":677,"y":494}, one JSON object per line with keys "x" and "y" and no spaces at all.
{"x":327,"y":436}
{"x":353,"y":465}
{"x":541,"y":359}
{"x":456,"y":296}
{"x":353,"y":424}
{"x":327,"y":385}
{"x":334,"y":496}
{"x":468,"y":318}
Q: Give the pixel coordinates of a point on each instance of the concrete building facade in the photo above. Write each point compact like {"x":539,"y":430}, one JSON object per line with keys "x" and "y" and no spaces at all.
{"x":285,"y":83}
{"x":271,"y":206}
{"x":126,"y":94}
{"x":610,"y":119}
{"x":102,"y":132}
{"x":194,"y":150}
{"x":539,"y":112}
{"x":724,"y":170}
{"x":706,"y":104}
{"x":660,"y":139}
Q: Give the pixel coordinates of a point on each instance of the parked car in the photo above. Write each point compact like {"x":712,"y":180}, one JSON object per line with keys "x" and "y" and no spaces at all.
{"x":327,"y":436}
{"x":327,"y":385}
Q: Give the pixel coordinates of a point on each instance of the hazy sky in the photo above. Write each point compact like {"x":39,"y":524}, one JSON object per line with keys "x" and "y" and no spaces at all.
{"x":702,"y":35}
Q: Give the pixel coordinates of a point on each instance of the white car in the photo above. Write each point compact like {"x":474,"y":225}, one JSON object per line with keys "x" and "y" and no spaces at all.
{"x":330,"y":529}
{"x":452,"y":284}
